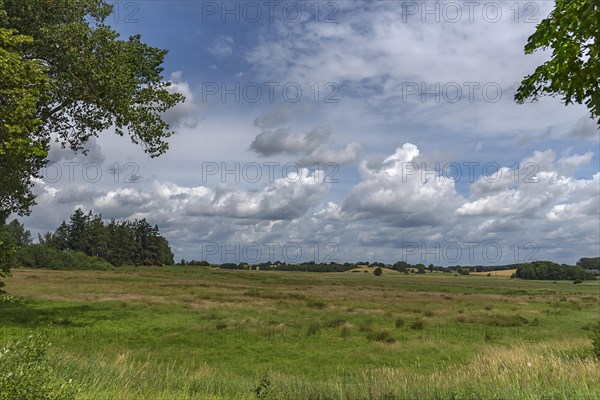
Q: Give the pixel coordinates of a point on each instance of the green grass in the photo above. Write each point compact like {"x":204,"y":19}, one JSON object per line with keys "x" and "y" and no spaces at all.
{"x":195,"y":332}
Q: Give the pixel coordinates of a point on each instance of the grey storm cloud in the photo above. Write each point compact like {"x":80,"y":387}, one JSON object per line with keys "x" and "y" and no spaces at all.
{"x":585,"y":128}
{"x":313,"y":146}
{"x":283,"y":141}
{"x":92,"y":153}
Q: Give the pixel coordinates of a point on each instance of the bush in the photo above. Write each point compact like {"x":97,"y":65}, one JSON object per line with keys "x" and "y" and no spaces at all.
{"x":7,"y":298}
{"x":317,"y":304}
{"x":378,"y":271}
{"x":418,"y":324}
{"x":345,"y":330}
{"x":384,"y":336}
{"x":366,"y":325}
{"x":27,"y":374}
{"x":41,"y":256}
{"x":314,"y":328}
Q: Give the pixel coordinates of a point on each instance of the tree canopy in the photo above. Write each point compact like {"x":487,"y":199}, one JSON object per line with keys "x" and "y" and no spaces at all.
{"x":66,"y":75}
{"x":120,"y":243}
{"x":23,"y":88}
{"x":547,"y":270}
{"x":573,"y":72}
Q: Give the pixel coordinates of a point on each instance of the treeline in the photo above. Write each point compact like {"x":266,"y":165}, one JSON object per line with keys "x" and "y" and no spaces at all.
{"x":119,"y":243}
{"x":592,"y":263}
{"x":283,"y":266}
{"x":547,"y":270}
{"x":86,"y":242}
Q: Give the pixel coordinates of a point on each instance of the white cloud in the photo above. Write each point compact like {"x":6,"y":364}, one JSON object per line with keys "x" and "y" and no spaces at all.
{"x":186,"y":114}
{"x":221,"y":46}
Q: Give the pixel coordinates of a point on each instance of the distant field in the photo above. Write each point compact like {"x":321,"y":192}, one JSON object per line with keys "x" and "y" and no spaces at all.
{"x":505,"y":272}
{"x":366,"y":269}
{"x":198,"y":333}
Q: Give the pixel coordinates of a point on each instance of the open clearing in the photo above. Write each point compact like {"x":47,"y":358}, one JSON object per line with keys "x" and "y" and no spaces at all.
{"x":193,"y":332}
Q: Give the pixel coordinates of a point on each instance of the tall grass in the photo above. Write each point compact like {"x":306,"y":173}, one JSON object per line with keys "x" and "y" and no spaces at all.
{"x":518,"y":372}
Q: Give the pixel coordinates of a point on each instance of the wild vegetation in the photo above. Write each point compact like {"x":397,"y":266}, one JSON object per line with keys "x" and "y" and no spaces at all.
{"x":546,"y":270}
{"x":200,"y":332}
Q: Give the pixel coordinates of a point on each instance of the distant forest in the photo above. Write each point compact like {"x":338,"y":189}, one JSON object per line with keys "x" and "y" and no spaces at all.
{"x":87,"y":242}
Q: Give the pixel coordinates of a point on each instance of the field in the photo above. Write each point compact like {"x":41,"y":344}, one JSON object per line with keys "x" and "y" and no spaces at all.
{"x":503,"y":272}
{"x":195,"y":332}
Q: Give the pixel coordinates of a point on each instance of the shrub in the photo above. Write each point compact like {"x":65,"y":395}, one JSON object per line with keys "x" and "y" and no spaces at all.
{"x":42,"y":256}
{"x":314,"y":328}
{"x":576,"y":281}
{"x":221,"y":325}
{"x":384,"y":336}
{"x":418,"y":324}
{"x":378,"y":271}
{"x":27,"y":374}
{"x":317,"y":304}
{"x":366,"y":325}
{"x":336,"y":323}
{"x":345,"y":330}
{"x":7,"y":298}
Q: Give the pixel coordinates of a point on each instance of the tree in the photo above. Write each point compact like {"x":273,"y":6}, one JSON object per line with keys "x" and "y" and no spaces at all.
{"x":23,"y":89}
{"x":589,"y":263}
{"x":12,"y":237}
{"x":21,"y":236}
{"x":573,"y":72}
{"x":378,"y":271}
{"x":7,"y":250}
{"x":68,"y":74}
{"x":65,"y":72}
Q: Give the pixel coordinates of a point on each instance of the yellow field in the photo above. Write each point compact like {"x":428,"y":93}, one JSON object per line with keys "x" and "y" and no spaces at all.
{"x":505,"y":272}
{"x":364,"y":268}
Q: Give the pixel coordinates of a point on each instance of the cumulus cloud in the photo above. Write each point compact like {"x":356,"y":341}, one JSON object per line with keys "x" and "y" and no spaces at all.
{"x":395,"y":202}
{"x":398,"y":195}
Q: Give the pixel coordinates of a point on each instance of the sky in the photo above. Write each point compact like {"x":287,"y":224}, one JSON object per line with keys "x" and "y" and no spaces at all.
{"x":344,"y":131}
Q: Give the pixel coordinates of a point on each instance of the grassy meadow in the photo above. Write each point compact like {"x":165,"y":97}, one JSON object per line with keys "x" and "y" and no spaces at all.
{"x":201,"y":333}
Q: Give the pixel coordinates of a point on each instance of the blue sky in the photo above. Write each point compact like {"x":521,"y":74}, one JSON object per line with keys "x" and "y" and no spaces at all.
{"x":396,"y":98}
